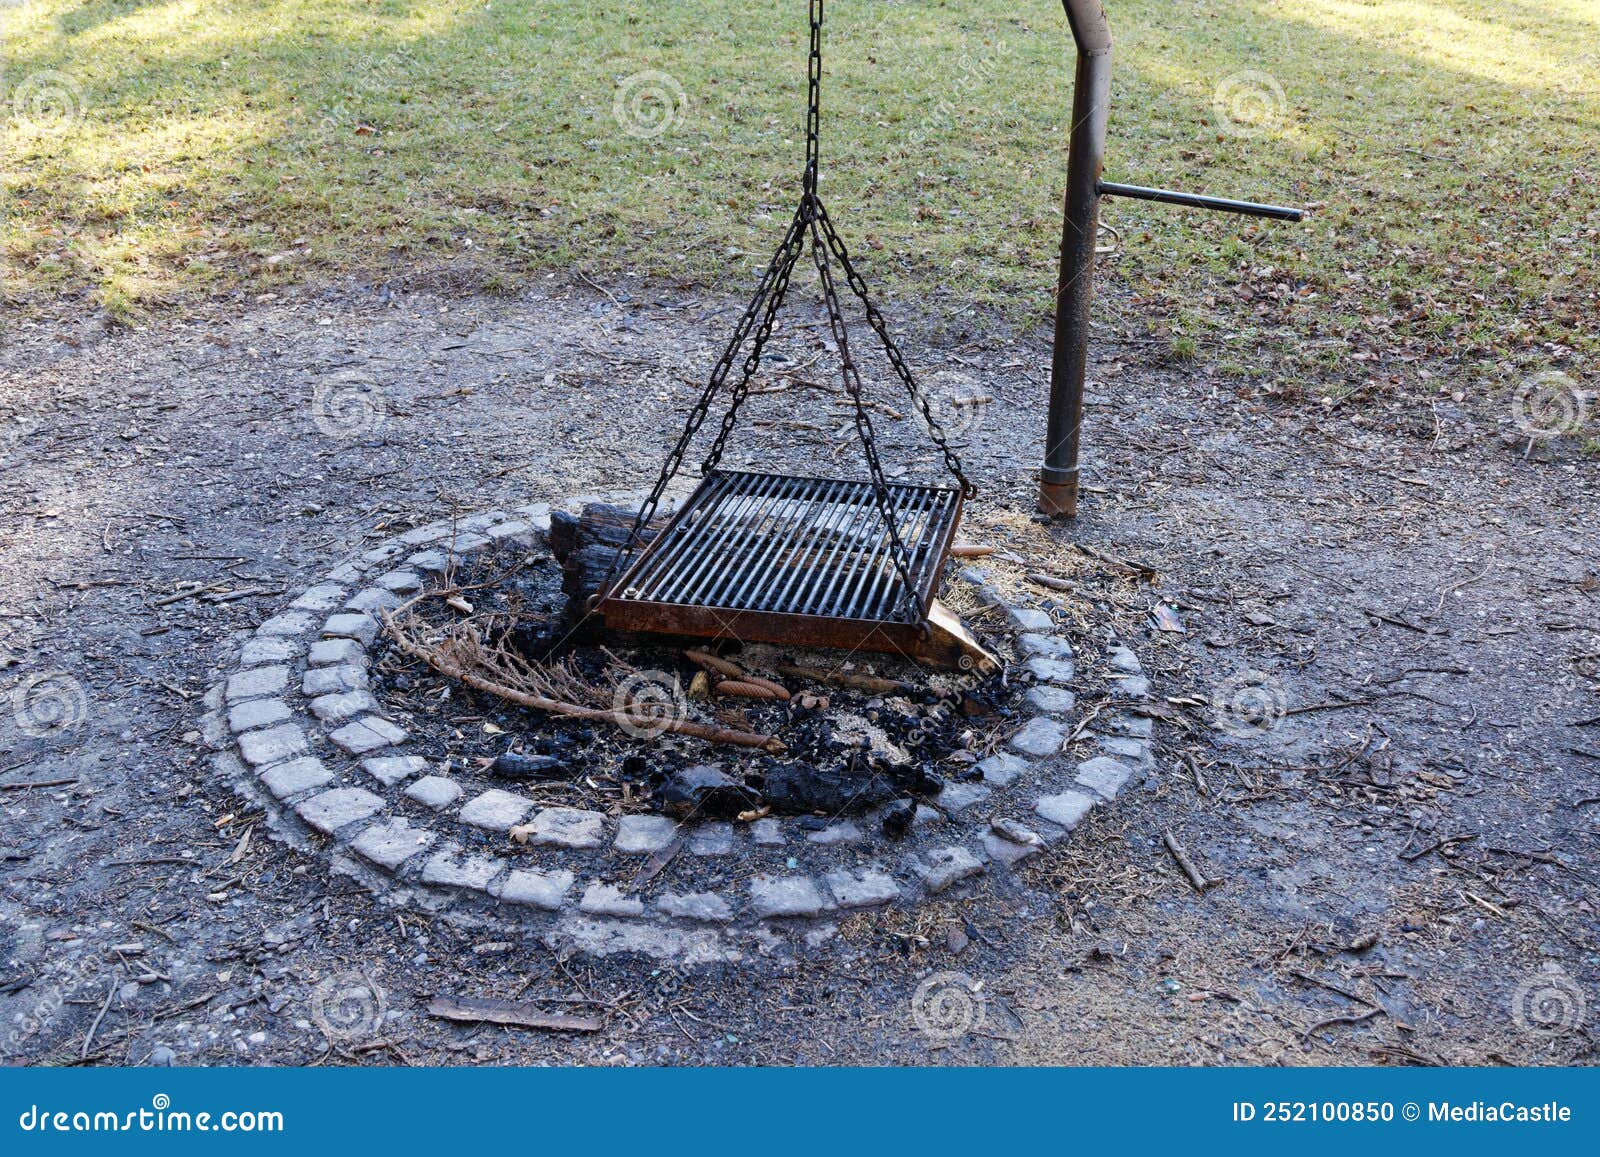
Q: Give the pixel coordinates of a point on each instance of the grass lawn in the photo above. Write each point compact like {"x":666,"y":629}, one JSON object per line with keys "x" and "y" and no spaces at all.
{"x":1451,"y":150}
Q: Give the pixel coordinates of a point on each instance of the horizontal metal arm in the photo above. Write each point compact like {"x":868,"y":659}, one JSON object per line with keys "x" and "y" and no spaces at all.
{"x":1201,"y":201}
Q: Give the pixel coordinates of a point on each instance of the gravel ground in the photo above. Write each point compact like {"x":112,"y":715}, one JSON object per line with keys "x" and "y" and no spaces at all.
{"x":1405,"y":860}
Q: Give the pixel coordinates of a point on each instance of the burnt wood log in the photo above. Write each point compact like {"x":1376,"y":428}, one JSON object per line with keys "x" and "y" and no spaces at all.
{"x":587,"y":543}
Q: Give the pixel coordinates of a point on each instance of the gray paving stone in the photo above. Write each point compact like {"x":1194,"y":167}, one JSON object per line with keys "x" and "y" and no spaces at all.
{"x":344,"y":574}
{"x":449,"y":868}
{"x":866,"y":890}
{"x":256,"y":713}
{"x":496,"y":810}
{"x":534,"y":888}
{"x":948,"y":866}
{"x":1029,"y":620}
{"x":257,"y":683}
{"x":843,"y":832}
{"x":519,"y":532}
{"x":429,"y":561}
{"x":268,"y":649}
{"x":767,"y":833}
{"x":392,"y":769}
{"x":1123,"y":723}
{"x":338,"y":808}
{"x":1039,"y":737}
{"x":382,"y":553}
{"x":786,"y":896}
{"x":333,"y":680}
{"x":344,"y":705}
{"x":1127,"y":747}
{"x":1051,"y":700}
{"x":273,"y":745}
{"x":372,"y":600}
{"x":288,"y":779}
{"x":1131,"y":686}
{"x":329,"y":652}
{"x":641,"y":835}
{"x":706,"y":907}
{"x":713,"y":839}
{"x":287,"y":623}
{"x":431,"y":533}
{"x":367,"y":734}
{"x":322,"y":597}
{"x":401,"y":582}
{"x":1004,"y":851}
{"x":1047,"y":646}
{"x":362,"y":628}
{"x":1015,"y":832}
{"x":1067,"y":809}
{"x":605,"y":900}
{"x":434,"y":791}
{"x":537,"y":514}
{"x":1002,"y":768}
{"x":958,"y":796}
{"x":1124,"y":660}
{"x":1058,"y":671}
{"x":566,"y":827}
{"x":392,"y":844}
{"x":1104,"y":775}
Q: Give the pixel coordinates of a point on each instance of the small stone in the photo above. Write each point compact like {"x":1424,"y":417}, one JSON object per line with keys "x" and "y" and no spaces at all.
{"x":163,"y":1057}
{"x":567,"y":827}
{"x":496,"y":810}
{"x":1127,"y":747}
{"x":1066,"y":809}
{"x":362,"y":628}
{"x":329,"y":652}
{"x":402,"y":582}
{"x":257,"y":683}
{"x":254,"y":713}
{"x":382,"y":553}
{"x":391,"y":844}
{"x":434,"y":791}
{"x":1040,"y":737}
{"x":286,"y":779}
{"x":1012,"y":830}
{"x":1050,"y":700}
{"x":344,"y":574}
{"x":948,"y":866}
{"x":334,"y":680}
{"x":270,"y":649}
{"x":639,"y":835}
{"x":1059,"y":671}
{"x":1002,"y":768}
{"x":1005,"y":851}
{"x":1028,"y":619}
{"x":345,"y":705}
{"x":1104,"y":775}
{"x":958,"y":796}
{"x":1124,"y":724}
{"x":707,"y":907}
{"x":367,"y":734}
{"x":392,"y":769}
{"x":338,"y":808}
{"x":605,"y":900}
{"x":444,"y":868}
{"x":840,"y":833}
{"x":1124,"y":660}
{"x":422,"y":534}
{"x":1049,"y":646}
{"x":323,"y":597}
{"x":785,"y":896}
{"x":866,"y":890}
{"x":273,"y":745}
{"x":767,"y":833}
{"x":373,"y":599}
{"x":708,"y":839}
{"x":429,"y":561}
{"x":519,"y":532}
{"x":535,"y":889}
{"x":1131,"y":686}
{"x":288,"y":623}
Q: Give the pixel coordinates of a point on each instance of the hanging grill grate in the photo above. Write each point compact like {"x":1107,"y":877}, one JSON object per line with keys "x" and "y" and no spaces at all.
{"x":782,"y":559}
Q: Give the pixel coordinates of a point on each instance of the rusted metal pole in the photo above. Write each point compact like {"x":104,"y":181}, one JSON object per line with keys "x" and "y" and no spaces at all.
{"x":1091,"y":98}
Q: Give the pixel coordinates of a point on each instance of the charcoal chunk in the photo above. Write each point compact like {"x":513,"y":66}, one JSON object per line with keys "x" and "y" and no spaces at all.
{"x":705,"y":792}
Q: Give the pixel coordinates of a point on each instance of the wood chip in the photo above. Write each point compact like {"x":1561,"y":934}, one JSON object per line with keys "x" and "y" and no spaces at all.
{"x":512,"y":1012}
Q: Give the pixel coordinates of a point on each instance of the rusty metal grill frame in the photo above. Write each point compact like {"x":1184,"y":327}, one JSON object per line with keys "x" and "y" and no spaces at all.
{"x":782,"y":558}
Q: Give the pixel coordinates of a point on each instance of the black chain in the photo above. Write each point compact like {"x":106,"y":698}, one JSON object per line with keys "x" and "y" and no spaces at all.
{"x":810,"y":219}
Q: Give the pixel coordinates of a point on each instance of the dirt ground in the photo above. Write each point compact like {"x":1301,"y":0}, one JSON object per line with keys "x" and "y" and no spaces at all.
{"x":1402,"y":861}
